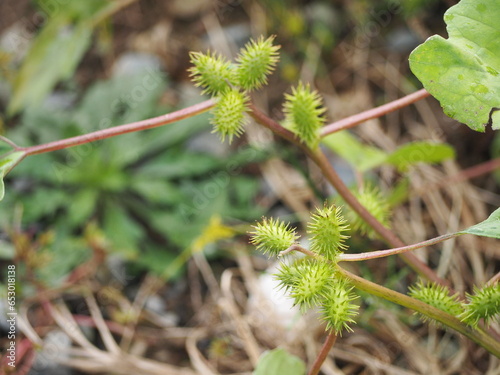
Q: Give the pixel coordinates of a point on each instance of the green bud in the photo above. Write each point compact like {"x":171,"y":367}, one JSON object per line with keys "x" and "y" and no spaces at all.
{"x":273,"y":236}
{"x":212,"y":72}
{"x":304,"y":114}
{"x":255,"y":62}
{"x":229,"y":115}
{"x":337,"y":309}
{"x":313,"y":282}
{"x":327,"y":227}
{"x":437,"y":296}
{"x":483,"y":304}
{"x":376,"y":204}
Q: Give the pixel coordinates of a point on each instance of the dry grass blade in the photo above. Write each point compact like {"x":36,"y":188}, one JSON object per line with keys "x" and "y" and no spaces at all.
{"x":375,"y":365}
{"x":229,"y":306}
{"x":103,"y":329}
{"x":148,"y":287}
{"x":197,"y":359}
{"x":63,"y":318}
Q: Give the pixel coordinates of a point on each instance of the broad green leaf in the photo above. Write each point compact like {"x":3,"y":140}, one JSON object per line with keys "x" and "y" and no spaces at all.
{"x":462,"y":72}
{"x":420,"y":152}
{"x":360,"y":156}
{"x":279,"y":361}
{"x":488,"y":228}
{"x":364,"y":157}
{"x":6,"y":164}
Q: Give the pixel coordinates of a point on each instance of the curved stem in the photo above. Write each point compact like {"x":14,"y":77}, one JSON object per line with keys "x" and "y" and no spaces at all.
{"x":352,"y":121}
{"x":327,"y":346}
{"x":9,"y":142}
{"x":477,"y":335}
{"x":416,"y":264}
{"x":319,"y":158}
{"x":119,"y":130}
{"x":298,"y":248}
{"x":398,"y":250}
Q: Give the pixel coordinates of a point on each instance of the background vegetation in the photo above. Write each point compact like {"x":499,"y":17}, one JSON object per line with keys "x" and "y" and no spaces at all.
{"x":155,"y":222}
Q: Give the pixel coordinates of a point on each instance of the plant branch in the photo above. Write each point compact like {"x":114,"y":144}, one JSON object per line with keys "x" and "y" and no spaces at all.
{"x":398,"y":250}
{"x":477,"y":335}
{"x":331,"y":175}
{"x":119,"y":130}
{"x":9,"y":142}
{"x":298,"y":248}
{"x":389,"y":236}
{"x":325,"y":349}
{"x":352,"y":121}
{"x":465,"y":174}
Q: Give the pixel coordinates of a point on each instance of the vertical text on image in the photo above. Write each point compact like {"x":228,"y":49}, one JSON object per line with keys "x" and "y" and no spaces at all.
{"x":11,"y":315}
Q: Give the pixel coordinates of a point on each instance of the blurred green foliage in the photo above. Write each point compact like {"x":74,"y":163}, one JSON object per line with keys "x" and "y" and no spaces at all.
{"x":364,"y":157}
{"x":57,"y":49}
{"x":148,"y":194}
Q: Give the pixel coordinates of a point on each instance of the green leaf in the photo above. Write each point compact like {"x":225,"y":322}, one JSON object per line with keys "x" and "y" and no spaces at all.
{"x":6,"y":164}
{"x":420,"y":152}
{"x":364,"y":157}
{"x":279,"y":361}
{"x":122,"y":230}
{"x":360,"y":156}
{"x":488,"y":228}
{"x":462,"y":72}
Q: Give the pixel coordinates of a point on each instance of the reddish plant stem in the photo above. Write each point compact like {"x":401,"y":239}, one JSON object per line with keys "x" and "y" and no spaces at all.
{"x":397,"y":250}
{"x":325,"y":349}
{"x":416,"y":264}
{"x":465,"y":174}
{"x":119,"y":130}
{"x":88,"y":321}
{"x":300,"y":249}
{"x":331,"y":175}
{"x":377,"y":112}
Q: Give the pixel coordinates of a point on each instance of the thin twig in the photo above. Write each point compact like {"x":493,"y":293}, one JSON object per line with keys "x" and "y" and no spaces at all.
{"x":119,"y":130}
{"x":106,"y":336}
{"x":9,"y":142}
{"x":465,"y":174}
{"x":325,"y":349}
{"x":352,"y":121}
{"x":298,"y":248}
{"x":397,"y":250}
